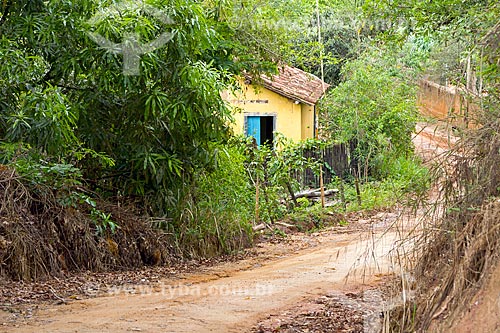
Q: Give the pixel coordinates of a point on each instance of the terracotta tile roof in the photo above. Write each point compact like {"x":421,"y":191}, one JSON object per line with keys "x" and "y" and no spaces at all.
{"x":296,"y":84}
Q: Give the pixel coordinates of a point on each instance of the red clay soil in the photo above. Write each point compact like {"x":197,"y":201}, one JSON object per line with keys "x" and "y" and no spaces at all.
{"x":229,"y":297}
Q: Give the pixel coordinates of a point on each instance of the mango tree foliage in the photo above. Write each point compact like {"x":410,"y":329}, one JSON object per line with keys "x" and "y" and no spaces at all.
{"x":65,"y":95}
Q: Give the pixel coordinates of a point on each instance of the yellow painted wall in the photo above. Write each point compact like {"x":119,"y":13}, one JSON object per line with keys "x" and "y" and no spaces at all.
{"x":294,"y":121}
{"x":307,"y":128}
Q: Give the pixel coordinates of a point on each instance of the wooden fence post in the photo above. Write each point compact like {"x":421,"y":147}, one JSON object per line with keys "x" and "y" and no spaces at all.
{"x":321,"y":186}
{"x":257,"y":200}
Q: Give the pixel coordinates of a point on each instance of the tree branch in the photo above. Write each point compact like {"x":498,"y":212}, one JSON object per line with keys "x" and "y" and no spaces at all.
{"x":75,"y":88}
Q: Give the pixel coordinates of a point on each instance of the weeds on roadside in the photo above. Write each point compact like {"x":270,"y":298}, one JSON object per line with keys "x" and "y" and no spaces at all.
{"x":215,"y":213}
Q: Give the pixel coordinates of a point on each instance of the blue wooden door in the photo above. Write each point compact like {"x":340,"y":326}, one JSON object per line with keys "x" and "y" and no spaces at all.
{"x":253,"y":128}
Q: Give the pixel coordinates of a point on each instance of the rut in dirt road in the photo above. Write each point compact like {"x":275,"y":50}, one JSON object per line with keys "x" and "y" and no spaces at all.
{"x":225,"y":304}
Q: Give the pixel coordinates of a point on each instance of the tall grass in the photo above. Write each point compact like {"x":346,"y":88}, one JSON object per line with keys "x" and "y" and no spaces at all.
{"x":216,"y":211}
{"x":397,"y":179}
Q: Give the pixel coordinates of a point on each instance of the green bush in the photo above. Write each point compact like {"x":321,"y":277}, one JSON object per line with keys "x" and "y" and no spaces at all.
{"x":274,"y":168}
{"x":402,"y":177}
{"x":217,"y":210}
{"x":408,"y":172}
{"x":374,"y":108}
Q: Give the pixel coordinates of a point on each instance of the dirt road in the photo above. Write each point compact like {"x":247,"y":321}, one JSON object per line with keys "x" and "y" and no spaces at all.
{"x":233,"y":297}
{"x":224,"y":300}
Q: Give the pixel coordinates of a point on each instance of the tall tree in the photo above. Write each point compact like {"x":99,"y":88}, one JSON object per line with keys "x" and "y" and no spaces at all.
{"x":139,"y":82}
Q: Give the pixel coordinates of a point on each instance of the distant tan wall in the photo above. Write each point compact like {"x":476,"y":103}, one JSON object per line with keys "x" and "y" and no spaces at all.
{"x":442,"y":102}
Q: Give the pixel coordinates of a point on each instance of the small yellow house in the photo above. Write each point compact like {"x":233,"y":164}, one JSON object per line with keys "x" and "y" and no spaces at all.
{"x":284,"y":103}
